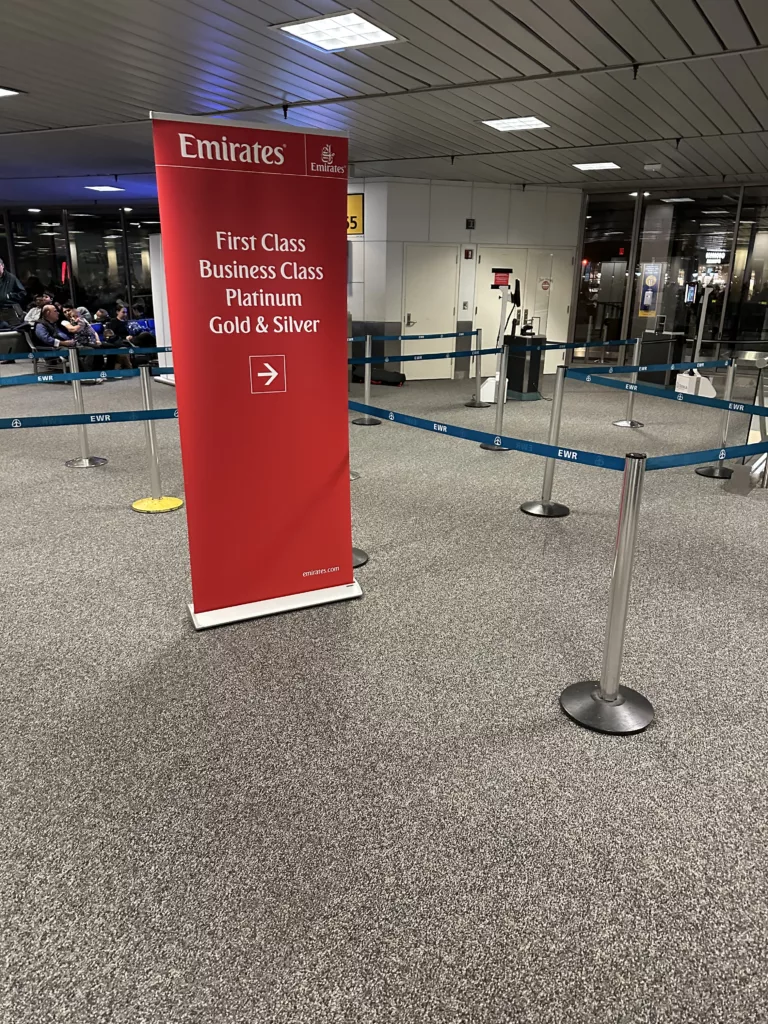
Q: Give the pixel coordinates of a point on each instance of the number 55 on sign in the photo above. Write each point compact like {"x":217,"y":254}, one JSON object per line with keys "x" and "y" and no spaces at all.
{"x":355,"y":214}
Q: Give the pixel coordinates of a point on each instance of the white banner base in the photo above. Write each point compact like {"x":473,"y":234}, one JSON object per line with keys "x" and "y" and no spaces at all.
{"x":275,"y":605}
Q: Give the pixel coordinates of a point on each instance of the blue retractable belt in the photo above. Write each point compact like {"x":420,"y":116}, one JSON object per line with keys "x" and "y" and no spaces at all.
{"x":426,"y":355}
{"x":95,"y":375}
{"x":89,"y":418}
{"x":651,"y":367}
{"x":674,"y":396}
{"x":530,"y":447}
{"x":739,"y":451}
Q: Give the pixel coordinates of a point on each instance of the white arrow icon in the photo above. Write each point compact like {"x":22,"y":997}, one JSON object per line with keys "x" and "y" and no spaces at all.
{"x":272,"y":374}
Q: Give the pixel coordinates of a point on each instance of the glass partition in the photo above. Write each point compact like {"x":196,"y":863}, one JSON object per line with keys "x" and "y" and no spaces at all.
{"x":40,"y":252}
{"x":603,"y":283}
{"x":686,"y":242}
{"x":746,"y":318}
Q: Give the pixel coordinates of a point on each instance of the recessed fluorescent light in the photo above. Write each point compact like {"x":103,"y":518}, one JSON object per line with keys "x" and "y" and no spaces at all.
{"x":710,"y":224}
{"x":33,"y":209}
{"x":710,"y":212}
{"x":607,"y":165}
{"x":634,"y":194}
{"x":104,"y":188}
{"x":111,"y":236}
{"x":55,"y":234}
{"x":127,"y":209}
{"x":338,"y":32}
{"x":516,"y":124}
{"x":8,"y":92}
{"x":678,"y":200}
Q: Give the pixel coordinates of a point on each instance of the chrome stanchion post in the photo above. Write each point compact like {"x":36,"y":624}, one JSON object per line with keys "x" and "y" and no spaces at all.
{"x":607,"y":706}
{"x":546,"y":507}
{"x":157,"y":502}
{"x":366,"y":420}
{"x":718,"y":471}
{"x":501,"y":397}
{"x":628,"y":421}
{"x":476,"y":403}
{"x":86,"y":460}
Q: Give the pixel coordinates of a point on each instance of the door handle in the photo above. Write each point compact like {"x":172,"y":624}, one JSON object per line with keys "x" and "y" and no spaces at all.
{"x":409,"y":322}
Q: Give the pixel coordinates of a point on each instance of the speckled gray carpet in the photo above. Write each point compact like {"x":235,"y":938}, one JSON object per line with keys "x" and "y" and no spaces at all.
{"x":375,"y":812}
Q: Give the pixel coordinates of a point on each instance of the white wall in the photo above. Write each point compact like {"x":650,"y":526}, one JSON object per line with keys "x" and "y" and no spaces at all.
{"x":401,"y":210}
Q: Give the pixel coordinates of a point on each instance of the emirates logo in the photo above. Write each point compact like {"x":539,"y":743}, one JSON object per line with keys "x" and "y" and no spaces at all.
{"x":327,"y":155}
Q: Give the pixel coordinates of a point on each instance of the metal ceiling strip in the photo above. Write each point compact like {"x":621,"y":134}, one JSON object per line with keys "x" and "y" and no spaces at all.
{"x":620,"y":28}
{"x":655,"y":26}
{"x":279,"y":53}
{"x":551,"y":34}
{"x":691,"y":24}
{"x":569,"y":16}
{"x":747,"y":154}
{"x":716,"y":84}
{"x":756,"y":12}
{"x":700,"y":106}
{"x":426,"y":34}
{"x":554,"y":110}
{"x":742,"y":79}
{"x":509,"y":37}
{"x":728,"y":21}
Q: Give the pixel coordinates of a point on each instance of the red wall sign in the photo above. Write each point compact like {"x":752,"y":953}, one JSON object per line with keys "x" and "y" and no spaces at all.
{"x":255,"y":259}
{"x":501,"y":277}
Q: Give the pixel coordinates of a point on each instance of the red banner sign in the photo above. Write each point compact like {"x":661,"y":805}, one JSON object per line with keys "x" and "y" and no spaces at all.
{"x":255,"y":260}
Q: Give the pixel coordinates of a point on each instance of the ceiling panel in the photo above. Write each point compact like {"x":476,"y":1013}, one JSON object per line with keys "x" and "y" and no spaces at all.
{"x":646,"y":95}
{"x":727,"y":20}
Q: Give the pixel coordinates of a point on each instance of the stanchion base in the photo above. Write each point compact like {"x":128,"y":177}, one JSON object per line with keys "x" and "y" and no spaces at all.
{"x":366,"y":421}
{"x":628,"y":423}
{"x":716,"y":472}
{"x":157,"y":504}
{"x":630,"y":712}
{"x":494,"y":448}
{"x":89,"y":463}
{"x":474,"y":404}
{"x":359,"y":557}
{"x":546,"y":509}
{"x":353,"y":475}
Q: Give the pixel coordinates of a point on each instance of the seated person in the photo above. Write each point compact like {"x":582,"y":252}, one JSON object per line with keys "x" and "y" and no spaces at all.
{"x":33,"y":314}
{"x":120,"y":327}
{"x":48,"y":332}
{"x":79,"y":328}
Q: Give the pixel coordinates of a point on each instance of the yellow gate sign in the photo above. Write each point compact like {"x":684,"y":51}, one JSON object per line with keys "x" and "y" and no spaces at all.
{"x":355,"y":214}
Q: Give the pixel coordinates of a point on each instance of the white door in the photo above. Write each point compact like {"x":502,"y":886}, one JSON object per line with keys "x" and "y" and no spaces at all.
{"x":548,"y":297}
{"x":488,"y":300}
{"x":429,"y":307}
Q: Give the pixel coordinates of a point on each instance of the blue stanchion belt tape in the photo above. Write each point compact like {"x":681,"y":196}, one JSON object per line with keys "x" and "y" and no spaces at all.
{"x":530,"y":447}
{"x":426,"y":355}
{"x":674,"y":396}
{"x":460,"y":355}
{"x":101,"y":350}
{"x":17,"y":422}
{"x":654,"y":367}
{"x":421,"y":337}
{"x":57,"y":378}
{"x":739,"y":451}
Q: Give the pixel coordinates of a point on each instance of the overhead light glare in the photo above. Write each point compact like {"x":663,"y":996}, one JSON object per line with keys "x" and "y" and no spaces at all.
{"x":127,"y":209}
{"x":33,"y":209}
{"x":9,"y":92}
{"x":634,"y":194}
{"x":710,"y":212}
{"x":516,"y":124}
{"x":679,"y":199}
{"x":606,"y":165}
{"x":104,"y":188}
{"x":338,"y":32}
